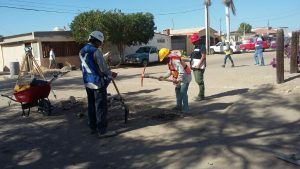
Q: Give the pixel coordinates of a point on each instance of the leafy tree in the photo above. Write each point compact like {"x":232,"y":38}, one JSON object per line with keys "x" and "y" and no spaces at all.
{"x":244,"y":27}
{"x":119,"y":28}
{"x":85,"y":23}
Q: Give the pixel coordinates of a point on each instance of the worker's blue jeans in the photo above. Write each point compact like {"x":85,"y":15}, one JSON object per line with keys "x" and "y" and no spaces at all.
{"x":256,"y":59}
{"x":260,"y":56}
{"x":97,"y":109}
{"x":230,"y":58}
{"x":182,"y":97}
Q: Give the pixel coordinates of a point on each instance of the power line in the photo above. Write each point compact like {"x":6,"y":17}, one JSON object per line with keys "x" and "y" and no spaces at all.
{"x":26,"y":2}
{"x":181,"y":12}
{"x":39,"y":7}
{"x":37,"y":10}
{"x":56,"y":11}
{"x":49,"y":4}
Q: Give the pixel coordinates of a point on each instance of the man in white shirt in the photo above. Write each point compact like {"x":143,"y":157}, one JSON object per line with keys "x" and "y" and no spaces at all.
{"x":52,"y":58}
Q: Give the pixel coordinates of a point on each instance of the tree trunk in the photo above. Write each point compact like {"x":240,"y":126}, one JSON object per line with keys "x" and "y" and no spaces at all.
{"x":227,"y":23}
{"x":207,"y":29}
{"x":294,"y":56}
{"x":121,"y":52}
{"x":279,"y":56}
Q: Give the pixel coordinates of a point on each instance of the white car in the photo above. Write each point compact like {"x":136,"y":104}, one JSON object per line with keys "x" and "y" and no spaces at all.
{"x":220,"y":47}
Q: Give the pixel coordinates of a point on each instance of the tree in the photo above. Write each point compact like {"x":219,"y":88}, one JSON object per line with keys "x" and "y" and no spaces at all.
{"x":120,"y":29}
{"x":244,"y":28}
{"x":85,"y":23}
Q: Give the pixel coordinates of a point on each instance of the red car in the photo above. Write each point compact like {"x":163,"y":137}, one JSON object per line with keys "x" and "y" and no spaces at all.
{"x":249,"y":44}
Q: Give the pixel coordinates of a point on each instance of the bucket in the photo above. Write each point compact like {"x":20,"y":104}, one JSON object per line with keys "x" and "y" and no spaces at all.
{"x":14,"y":68}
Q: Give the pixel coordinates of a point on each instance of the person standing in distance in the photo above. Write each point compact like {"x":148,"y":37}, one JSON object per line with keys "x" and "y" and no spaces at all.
{"x":259,"y":51}
{"x":52,"y":58}
{"x":198,"y":64}
{"x":96,"y":77}
{"x":228,"y":53}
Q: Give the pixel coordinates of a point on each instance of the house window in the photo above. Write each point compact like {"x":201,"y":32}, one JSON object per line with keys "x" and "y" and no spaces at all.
{"x":161,"y":40}
{"x":61,"y":49}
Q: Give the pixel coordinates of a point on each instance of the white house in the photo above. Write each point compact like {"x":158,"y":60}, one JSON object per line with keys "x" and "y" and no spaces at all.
{"x":65,"y":48}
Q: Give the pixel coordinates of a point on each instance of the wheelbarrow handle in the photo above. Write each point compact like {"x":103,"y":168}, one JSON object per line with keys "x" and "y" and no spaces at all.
{"x":3,"y":95}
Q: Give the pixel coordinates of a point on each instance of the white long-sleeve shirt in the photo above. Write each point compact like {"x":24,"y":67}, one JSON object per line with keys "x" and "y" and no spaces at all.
{"x":182,"y":76}
{"x":51,"y":55}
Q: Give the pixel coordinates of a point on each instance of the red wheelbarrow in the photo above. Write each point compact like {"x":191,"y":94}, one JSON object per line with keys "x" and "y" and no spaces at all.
{"x":34,"y":96}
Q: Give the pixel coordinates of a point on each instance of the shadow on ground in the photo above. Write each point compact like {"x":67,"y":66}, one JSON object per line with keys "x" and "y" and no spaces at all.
{"x":237,"y":137}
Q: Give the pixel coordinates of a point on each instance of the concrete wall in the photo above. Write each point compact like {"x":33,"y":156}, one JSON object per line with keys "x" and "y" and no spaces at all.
{"x":11,"y":53}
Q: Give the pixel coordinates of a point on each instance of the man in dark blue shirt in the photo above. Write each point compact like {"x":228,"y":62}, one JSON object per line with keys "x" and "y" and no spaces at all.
{"x":198,"y":64}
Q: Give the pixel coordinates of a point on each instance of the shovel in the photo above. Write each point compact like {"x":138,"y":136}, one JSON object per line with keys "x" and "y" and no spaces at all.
{"x":119,"y":94}
{"x":122,"y":101}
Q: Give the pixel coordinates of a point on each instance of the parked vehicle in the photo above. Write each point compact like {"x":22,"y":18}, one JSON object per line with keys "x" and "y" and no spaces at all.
{"x":249,"y":44}
{"x":220,"y":47}
{"x":143,"y":56}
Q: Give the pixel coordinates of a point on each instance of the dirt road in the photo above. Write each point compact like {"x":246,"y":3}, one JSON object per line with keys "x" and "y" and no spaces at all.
{"x":245,"y":118}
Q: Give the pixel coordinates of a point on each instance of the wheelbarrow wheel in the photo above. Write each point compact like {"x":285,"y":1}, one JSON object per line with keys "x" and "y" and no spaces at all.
{"x":44,"y":106}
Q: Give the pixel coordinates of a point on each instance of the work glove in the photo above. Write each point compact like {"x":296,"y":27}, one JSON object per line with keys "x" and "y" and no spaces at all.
{"x":160,"y":78}
{"x":114,"y":74}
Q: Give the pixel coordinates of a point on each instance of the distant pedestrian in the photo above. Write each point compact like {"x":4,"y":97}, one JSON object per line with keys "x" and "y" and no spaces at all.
{"x":258,"y":55}
{"x":198,"y":64}
{"x":228,"y":53}
{"x":52,"y":59}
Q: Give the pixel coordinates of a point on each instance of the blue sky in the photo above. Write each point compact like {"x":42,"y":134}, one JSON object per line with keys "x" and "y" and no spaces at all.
{"x":177,"y":14}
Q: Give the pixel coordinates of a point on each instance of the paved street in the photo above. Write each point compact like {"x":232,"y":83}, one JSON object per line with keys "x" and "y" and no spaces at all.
{"x":246,"y":117}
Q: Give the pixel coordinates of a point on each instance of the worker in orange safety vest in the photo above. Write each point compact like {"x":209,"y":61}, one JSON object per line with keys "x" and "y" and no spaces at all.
{"x":181,"y":74}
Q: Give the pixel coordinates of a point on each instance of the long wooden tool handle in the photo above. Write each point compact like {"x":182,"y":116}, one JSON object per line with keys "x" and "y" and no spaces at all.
{"x":121,"y":98}
{"x":157,"y":78}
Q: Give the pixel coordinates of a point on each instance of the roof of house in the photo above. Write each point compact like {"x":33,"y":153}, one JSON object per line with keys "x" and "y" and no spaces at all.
{"x":264,"y":31}
{"x":33,"y":36}
{"x":188,"y":31}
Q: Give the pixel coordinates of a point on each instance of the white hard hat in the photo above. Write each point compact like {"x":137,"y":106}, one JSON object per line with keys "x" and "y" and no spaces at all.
{"x":98,"y":35}
{"x":259,"y":39}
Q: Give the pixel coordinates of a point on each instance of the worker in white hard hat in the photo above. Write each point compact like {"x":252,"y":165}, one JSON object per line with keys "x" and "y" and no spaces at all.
{"x":96,"y":78}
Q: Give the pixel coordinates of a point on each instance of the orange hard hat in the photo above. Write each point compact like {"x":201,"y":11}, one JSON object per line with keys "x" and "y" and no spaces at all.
{"x":195,"y":37}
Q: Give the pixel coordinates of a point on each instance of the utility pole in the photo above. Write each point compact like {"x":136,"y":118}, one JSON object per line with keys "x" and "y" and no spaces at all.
{"x":244,"y":30}
{"x":172,"y":23}
{"x":268,"y":28}
{"x":220,"y":29}
{"x":207,"y":29}
{"x":227,"y":23}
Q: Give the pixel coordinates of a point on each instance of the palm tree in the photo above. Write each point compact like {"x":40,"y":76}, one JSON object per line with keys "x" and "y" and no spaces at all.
{"x":207,"y":3}
{"x":228,"y":4}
